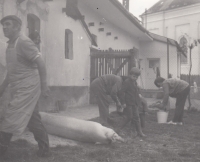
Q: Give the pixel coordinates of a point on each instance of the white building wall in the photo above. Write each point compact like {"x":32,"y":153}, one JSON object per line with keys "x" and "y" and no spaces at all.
{"x":157,"y":50}
{"x":174,"y":24}
{"x":76,"y":72}
{"x":125,"y":40}
{"x":63,"y":71}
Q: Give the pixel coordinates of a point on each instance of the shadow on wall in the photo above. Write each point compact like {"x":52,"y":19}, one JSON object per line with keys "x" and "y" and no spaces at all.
{"x":64,"y":97}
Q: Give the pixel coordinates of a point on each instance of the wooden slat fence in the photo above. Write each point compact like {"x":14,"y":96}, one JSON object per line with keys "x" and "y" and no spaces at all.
{"x":194,"y":78}
{"x":116,"y":62}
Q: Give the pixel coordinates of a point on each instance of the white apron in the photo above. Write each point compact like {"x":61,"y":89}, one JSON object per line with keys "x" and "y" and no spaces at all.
{"x":24,"y":89}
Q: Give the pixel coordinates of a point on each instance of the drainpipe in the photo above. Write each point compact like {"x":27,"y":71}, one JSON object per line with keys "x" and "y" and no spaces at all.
{"x":164,"y":34}
{"x":177,"y":65}
{"x":180,"y":64}
{"x":167,"y":58}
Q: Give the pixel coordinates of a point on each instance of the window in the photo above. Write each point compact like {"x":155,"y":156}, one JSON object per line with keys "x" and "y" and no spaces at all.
{"x":184,"y":46}
{"x":68,"y":44}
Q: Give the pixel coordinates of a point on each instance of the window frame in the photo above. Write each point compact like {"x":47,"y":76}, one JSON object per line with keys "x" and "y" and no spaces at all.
{"x":69,"y":44}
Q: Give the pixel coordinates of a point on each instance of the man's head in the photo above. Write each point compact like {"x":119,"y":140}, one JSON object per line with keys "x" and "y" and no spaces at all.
{"x":11,"y":25}
{"x":134,"y":73}
{"x":159,"y":81}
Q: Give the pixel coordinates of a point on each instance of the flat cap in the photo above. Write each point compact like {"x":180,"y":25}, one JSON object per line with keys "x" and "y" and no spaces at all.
{"x":135,"y":71}
{"x":11,"y":17}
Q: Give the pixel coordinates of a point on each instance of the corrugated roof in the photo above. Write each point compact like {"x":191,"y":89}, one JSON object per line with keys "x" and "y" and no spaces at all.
{"x":163,"y":5}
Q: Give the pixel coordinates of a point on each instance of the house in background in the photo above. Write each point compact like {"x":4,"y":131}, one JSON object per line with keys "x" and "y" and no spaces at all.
{"x":84,"y":39}
{"x":160,"y":57}
{"x":178,"y":20}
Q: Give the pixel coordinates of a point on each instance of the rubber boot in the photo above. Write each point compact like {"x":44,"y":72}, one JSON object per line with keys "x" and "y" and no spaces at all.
{"x":139,"y":130}
{"x":4,"y":142}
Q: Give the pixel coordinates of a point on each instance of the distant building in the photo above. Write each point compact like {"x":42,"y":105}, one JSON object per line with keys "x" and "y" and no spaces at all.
{"x":178,"y":20}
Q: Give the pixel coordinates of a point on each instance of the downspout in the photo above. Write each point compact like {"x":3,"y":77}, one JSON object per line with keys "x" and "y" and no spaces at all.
{"x":167,"y":58}
{"x":178,"y":64}
{"x":164,"y":23}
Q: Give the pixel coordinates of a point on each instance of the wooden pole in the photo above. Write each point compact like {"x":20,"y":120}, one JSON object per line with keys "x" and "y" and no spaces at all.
{"x":189,"y":99}
{"x":167,"y":58}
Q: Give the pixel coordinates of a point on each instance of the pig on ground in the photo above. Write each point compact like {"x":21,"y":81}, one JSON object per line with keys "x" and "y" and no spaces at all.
{"x":79,"y":130}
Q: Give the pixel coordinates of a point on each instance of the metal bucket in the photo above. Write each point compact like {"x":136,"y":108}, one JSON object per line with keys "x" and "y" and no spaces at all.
{"x":162,"y":116}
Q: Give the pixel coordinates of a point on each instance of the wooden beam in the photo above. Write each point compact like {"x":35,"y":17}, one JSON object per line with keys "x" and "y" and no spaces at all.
{"x":122,"y":65}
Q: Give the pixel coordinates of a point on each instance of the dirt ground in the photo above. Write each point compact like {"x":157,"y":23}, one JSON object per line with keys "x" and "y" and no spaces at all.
{"x":164,"y":143}
{"x":86,"y":113}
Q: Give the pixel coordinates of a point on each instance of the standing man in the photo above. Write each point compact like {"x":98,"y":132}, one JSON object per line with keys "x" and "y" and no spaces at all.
{"x":26,"y":78}
{"x":175,"y":88}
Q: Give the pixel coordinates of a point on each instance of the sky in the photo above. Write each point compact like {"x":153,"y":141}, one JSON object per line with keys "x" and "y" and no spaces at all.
{"x":137,"y":7}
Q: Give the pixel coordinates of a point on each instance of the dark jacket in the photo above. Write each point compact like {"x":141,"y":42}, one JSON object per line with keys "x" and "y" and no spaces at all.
{"x":129,"y":93}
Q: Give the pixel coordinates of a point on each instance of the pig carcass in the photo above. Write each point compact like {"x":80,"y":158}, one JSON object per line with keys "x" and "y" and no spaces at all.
{"x":79,"y":130}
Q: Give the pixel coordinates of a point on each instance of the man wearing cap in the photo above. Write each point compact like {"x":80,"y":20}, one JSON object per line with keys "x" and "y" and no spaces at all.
{"x":130,"y":96}
{"x":26,"y":79}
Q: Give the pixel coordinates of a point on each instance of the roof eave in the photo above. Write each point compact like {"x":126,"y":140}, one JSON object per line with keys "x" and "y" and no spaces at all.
{"x":129,"y":17}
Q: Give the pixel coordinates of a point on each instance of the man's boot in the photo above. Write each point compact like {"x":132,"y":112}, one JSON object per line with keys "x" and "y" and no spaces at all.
{"x":139,"y":130}
{"x":4,"y":142}
{"x":43,"y":151}
{"x":43,"y":144}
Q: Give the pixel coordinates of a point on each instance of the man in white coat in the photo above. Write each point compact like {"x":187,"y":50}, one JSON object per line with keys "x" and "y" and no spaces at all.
{"x":26,"y":79}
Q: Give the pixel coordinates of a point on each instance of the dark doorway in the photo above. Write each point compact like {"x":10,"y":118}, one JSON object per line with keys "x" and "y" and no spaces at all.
{"x":33,"y":23}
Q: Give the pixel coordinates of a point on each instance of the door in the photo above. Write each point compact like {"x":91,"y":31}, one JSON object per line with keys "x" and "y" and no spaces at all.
{"x":152,"y":71}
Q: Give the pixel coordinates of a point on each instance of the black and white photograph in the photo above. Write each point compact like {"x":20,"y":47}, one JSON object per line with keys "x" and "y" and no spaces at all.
{"x":100,"y":80}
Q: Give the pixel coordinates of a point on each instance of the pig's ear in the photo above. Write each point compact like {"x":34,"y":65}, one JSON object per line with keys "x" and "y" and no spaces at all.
{"x":113,"y":137}
{"x":109,"y":137}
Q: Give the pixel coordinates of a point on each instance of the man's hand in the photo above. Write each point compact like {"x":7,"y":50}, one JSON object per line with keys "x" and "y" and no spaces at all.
{"x":45,"y":90}
{"x":119,"y":107}
{"x":160,"y":105}
{"x":163,"y":107}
